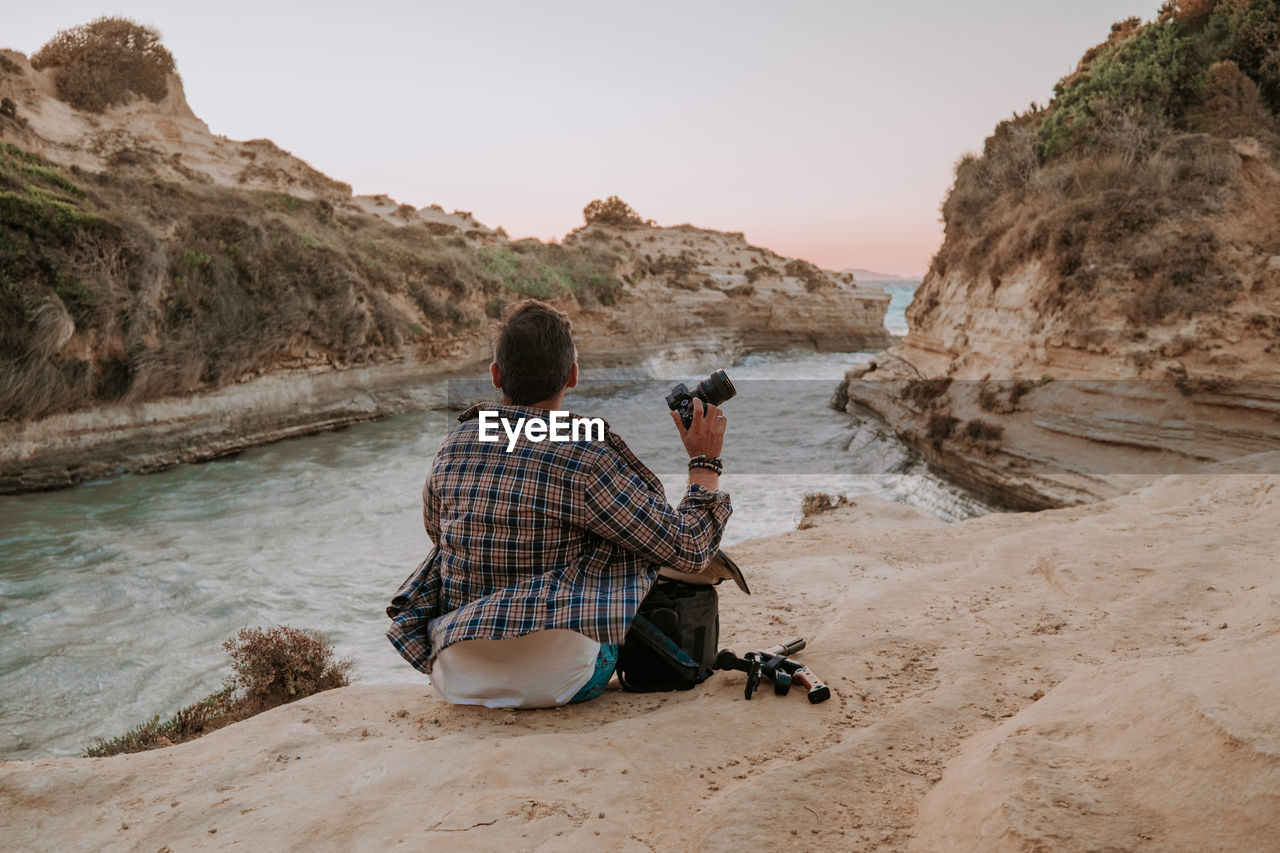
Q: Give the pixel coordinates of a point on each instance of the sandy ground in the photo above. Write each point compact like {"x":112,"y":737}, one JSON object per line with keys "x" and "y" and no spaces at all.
{"x":1090,"y":678}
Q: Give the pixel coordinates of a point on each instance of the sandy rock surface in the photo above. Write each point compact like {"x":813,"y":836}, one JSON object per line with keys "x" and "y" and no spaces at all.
{"x":1176,"y":755}
{"x":1090,"y":678}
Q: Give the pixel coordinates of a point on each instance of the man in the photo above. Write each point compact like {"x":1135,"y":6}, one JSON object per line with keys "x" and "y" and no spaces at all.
{"x":544,"y":549}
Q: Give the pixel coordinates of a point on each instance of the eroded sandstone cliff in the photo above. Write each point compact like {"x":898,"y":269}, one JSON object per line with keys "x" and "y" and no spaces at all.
{"x":173,"y":295}
{"x":1106,"y":304}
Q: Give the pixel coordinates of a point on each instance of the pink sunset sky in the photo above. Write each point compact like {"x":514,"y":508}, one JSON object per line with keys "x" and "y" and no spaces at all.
{"x":824,"y":130}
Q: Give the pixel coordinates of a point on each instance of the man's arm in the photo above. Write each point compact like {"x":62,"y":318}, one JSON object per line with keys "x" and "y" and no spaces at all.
{"x":704,"y":437}
{"x":622,"y":508}
{"x":704,"y":477}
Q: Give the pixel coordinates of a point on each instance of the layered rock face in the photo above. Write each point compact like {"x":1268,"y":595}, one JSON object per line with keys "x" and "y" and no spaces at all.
{"x":1032,"y":407}
{"x":1105,"y":306}
{"x":216,"y":294}
{"x":702,"y":288}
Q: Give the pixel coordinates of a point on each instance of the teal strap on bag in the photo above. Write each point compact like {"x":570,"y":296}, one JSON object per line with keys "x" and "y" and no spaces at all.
{"x":666,"y":648}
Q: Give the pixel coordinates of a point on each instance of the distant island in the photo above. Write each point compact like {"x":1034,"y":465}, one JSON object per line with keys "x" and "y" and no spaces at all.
{"x":880,"y":277}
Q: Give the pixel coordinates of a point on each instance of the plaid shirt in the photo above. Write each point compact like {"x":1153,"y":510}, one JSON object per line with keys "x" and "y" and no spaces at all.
{"x":550,"y":535}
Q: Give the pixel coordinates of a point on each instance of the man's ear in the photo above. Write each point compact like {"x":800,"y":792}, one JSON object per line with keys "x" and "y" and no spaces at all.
{"x":496,"y":374}
{"x":573,"y":376}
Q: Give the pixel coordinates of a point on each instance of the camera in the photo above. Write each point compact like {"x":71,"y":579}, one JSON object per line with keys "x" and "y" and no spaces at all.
{"x":712,"y":391}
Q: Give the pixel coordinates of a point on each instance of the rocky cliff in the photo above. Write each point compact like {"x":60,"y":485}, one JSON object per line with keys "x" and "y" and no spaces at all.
{"x":172,"y":295}
{"x":1106,"y":304}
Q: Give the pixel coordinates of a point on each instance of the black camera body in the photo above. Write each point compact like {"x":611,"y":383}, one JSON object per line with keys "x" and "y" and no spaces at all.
{"x":712,"y":391}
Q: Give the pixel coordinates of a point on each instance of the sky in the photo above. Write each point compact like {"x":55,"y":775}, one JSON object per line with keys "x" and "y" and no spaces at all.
{"x":823,"y":130}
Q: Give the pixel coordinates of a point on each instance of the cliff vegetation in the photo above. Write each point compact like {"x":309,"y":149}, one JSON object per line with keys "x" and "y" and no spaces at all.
{"x":119,"y":285}
{"x":114,"y":288}
{"x":1126,"y":234}
{"x":1122,"y":186}
{"x":105,"y":62}
{"x":269,"y":667}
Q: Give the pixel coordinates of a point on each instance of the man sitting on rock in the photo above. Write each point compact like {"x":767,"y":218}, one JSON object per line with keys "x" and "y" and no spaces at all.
{"x":544,"y":551}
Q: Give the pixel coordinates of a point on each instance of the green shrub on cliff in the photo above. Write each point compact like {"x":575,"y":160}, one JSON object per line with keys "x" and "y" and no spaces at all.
{"x":611,"y":211}
{"x":552,"y":271}
{"x":269,"y":667}
{"x":44,"y":217}
{"x":107,"y":62}
{"x":1163,"y":69}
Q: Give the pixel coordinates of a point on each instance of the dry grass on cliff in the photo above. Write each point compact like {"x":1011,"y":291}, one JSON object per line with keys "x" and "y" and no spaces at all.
{"x":269,"y":667}
{"x":1102,"y":218}
{"x":1117,"y":186}
{"x":123,"y":289}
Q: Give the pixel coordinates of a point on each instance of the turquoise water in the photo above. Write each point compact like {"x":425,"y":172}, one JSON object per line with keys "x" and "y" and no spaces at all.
{"x":895,"y":319}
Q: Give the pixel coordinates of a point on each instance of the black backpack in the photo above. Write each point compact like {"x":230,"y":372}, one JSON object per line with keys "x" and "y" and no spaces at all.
{"x":673,"y":640}
{"x":675,"y":636}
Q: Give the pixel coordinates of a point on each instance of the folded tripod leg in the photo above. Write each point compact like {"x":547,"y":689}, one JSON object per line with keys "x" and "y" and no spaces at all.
{"x":750,"y":665}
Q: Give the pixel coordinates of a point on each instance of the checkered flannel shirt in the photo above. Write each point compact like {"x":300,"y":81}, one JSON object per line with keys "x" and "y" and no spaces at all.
{"x":550,"y":535}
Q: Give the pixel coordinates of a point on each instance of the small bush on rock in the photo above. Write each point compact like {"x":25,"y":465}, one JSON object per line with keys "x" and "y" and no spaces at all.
{"x":942,"y":425}
{"x":270,"y":667}
{"x":980,"y":430}
{"x":808,"y":273}
{"x":107,"y":62}
{"x":611,"y":211}
{"x":923,"y":392}
{"x":275,"y":666}
{"x":815,"y":503}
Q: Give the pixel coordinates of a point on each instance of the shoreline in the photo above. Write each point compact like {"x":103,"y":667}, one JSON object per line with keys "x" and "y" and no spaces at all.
{"x":333,"y":500}
{"x":68,"y":449}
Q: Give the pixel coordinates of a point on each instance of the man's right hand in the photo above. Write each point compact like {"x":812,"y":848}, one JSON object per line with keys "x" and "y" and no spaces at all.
{"x":705,"y":434}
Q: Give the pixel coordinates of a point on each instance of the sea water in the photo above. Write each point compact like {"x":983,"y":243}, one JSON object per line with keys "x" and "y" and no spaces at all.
{"x":115,"y":596}
{"x":900,"y":295}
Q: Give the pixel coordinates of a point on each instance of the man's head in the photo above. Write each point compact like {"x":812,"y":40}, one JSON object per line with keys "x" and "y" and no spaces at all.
{"x":534,"y":358}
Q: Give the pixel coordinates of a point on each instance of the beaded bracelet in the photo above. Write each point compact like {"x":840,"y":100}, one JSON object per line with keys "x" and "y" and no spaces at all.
{"x":701,"y":461}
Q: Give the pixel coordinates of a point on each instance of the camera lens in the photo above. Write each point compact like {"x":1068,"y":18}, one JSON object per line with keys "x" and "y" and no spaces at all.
{"x":716,"y":388}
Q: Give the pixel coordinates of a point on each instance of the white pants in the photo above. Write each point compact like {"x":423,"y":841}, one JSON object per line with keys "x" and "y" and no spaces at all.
{"x":544,"y":669}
